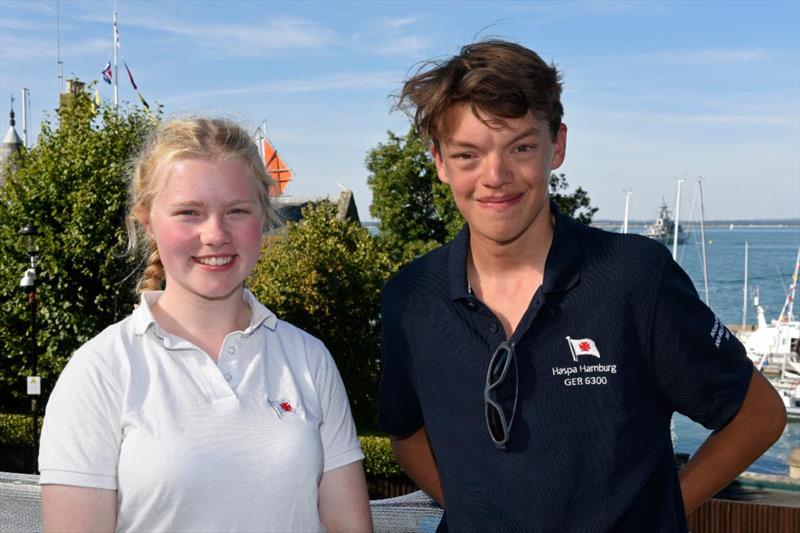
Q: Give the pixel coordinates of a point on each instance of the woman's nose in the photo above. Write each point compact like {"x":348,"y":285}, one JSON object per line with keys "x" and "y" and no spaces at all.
{"x":215,"y":232}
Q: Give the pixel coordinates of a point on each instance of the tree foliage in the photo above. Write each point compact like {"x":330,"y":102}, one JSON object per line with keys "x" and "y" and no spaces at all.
{"x":416,"y":211}
{"x":72,"y":186}
{"x":576,"y":204}
{"x":325,"y":276}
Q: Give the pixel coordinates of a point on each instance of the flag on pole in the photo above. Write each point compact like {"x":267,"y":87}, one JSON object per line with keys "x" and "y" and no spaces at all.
{"x":144,"y":102}
{"x":96,"y":102}
{"x":107,"y":73}
{"x":130,"y":77}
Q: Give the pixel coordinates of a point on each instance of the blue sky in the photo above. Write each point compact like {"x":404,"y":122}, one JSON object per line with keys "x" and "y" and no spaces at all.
{"x":652,"y":90}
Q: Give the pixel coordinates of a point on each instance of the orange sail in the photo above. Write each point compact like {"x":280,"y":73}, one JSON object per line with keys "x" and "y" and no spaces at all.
{"x":277,"y":168}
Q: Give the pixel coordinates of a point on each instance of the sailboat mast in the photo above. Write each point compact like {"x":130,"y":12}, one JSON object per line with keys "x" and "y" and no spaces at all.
{"x":116,"y":71}
{"x":627,"y":211}
{"x":787,"y":311}
{"x":744,"y":302}
{"x":702,"y":238}
{"x":677,"y":219}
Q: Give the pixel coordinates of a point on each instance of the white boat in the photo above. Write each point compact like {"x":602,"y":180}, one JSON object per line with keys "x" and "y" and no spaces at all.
{"x":775,"y":347}
{"x":663,"y":230}
{"x":789,"y":391}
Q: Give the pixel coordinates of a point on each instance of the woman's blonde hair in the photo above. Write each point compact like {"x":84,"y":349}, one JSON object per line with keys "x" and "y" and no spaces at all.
{"x":214,"y":139}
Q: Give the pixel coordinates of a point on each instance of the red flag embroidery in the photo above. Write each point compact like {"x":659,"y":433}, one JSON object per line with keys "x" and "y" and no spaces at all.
{"x":286,"y":406}
{"x":582,"y":347}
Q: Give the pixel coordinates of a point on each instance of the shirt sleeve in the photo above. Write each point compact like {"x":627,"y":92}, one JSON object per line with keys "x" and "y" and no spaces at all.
{"x":81,"y":434}
{"x":700,"y":367}
{"x":399,"y":411}
{"x":338,"y":431}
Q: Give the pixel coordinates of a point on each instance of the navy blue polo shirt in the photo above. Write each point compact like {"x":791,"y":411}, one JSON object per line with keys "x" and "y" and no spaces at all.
{"x":613,"y":342}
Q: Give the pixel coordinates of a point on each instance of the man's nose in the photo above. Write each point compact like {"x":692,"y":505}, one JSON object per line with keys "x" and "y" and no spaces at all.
{"x":497,"y":171}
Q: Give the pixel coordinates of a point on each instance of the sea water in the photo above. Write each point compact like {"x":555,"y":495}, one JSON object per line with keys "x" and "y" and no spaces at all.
{"x":772,"y":253}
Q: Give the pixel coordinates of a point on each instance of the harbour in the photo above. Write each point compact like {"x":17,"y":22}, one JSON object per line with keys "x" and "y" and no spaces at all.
{"x":772,"y":252}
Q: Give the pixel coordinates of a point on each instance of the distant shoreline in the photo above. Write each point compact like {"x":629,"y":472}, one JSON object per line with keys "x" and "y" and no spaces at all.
{"x":789,"y":223}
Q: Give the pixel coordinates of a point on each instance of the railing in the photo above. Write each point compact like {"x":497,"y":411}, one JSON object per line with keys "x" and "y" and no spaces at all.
{"x":20,"y":499}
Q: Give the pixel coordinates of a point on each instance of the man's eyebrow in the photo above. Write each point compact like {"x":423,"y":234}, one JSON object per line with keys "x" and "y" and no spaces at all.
{"x":532,"y":131}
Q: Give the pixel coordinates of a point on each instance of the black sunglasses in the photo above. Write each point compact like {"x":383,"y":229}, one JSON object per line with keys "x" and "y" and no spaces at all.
{"x":498,"y":382}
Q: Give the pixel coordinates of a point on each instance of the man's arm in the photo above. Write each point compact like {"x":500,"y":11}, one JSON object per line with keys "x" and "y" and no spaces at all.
{"x":68,"y":508}
{"x":414,"y":454}
{"x":727,"y":452}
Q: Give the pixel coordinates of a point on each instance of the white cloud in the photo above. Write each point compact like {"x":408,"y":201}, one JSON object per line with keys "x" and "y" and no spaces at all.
{"x":7,"y":23}
{"x":21,"y":49}
{"x":242,"y":40}
{"x":781,"y":120}
{"x":403,"y":45}
{"x":400,"y":22}
{"x":350,"y":81}
{"x":709,"y":56}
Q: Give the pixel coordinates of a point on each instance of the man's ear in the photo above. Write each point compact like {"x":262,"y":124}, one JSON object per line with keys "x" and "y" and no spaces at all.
{"x":560,"y":147}
{"x":441,"y":171}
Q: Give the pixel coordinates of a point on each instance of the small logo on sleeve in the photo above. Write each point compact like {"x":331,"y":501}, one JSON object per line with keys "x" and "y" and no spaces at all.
{"x":718,"y":331}
{"x":582,"y":347}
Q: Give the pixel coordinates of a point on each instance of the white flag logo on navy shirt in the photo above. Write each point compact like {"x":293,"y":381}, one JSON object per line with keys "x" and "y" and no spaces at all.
{"x":582,"y":347}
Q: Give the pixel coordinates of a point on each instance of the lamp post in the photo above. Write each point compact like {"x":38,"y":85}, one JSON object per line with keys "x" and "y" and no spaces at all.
{"x":28,"y":285}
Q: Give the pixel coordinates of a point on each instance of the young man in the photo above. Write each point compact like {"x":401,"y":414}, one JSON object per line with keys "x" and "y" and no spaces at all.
{"x":532,"y":364}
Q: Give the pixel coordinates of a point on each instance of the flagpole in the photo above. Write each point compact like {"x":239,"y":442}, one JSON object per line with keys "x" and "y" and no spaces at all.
{"x":116,"y":74}
{"x":58,"y":47}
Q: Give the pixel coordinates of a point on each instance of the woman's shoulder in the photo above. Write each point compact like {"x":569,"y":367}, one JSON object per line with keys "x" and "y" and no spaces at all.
{"x":110,"y":347}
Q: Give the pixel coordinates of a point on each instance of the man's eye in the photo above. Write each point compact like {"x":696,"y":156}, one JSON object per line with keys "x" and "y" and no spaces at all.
{"x":525,"y":148}
{"x":463,"y":155}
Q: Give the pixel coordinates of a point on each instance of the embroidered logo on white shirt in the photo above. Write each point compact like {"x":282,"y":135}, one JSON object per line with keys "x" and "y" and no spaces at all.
{"x":582,"y":347}
{"x":283,"y":407}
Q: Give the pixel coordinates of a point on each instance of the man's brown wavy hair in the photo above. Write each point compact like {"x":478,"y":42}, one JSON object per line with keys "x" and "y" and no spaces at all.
{"x":498,"y":79}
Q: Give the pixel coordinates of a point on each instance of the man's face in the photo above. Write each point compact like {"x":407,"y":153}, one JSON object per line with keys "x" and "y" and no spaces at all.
{"x":499,"y":174}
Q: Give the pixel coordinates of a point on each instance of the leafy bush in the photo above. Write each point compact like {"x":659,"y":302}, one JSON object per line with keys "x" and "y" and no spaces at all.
{"x":325,"y":276}
{"x":16,"y":430}
{"x":378,"y":457}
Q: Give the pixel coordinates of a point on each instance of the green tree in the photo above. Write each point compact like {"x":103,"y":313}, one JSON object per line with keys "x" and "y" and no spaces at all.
{"x":576,"y":204}
{"x":325,"y":276}
{"x":416,"y":211}
{"x":72,"y":186}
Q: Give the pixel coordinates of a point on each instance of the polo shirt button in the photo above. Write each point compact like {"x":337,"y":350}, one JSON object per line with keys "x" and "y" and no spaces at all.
{"x":493,"y":327}
{"x":228,"y":377}
{"x":231,"y":349}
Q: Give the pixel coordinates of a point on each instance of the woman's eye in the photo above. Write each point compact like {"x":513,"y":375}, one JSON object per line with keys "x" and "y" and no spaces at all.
{"x":187,"y":212}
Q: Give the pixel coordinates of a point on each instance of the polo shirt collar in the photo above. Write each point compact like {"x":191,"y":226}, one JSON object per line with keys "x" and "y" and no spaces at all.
{"x":561,"y":270}
{"x":562,"y":267}
{"x":143,"y":315}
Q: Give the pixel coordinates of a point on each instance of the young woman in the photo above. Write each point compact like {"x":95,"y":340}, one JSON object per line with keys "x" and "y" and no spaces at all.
{"x":201,"y":411}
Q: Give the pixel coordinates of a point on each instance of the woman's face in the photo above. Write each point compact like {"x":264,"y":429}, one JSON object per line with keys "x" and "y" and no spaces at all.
{"x":207,"y":222}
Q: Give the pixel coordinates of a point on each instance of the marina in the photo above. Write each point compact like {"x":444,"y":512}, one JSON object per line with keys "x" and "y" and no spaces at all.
{"x":771,"y":254}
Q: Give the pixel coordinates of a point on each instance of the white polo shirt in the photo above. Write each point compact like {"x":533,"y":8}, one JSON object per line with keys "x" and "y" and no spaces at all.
{"x":193,"y":445}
